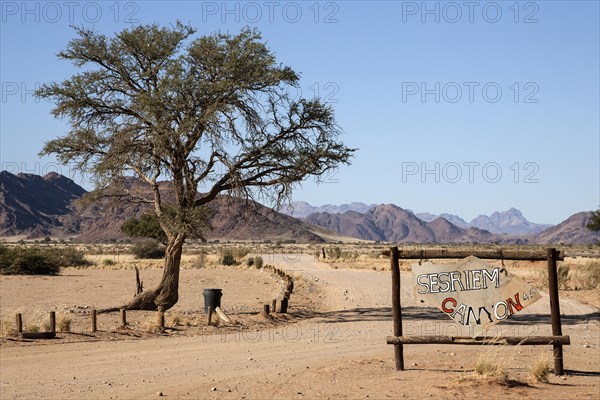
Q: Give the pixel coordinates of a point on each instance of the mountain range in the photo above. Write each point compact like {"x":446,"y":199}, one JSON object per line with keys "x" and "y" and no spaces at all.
{"x":33,"y":206}
{"x":511,"y":222}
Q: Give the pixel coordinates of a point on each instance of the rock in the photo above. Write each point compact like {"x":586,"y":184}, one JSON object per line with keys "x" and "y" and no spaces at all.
{"x":160,"y":394}
{"x":213,"y":389}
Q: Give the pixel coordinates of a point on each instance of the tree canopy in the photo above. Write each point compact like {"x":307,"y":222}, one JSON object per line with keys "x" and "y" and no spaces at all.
{"x":210,"y":114}
{"x":594,"y":223}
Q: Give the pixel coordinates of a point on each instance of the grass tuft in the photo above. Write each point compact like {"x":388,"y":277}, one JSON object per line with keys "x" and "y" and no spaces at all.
{"x":541,"y":368}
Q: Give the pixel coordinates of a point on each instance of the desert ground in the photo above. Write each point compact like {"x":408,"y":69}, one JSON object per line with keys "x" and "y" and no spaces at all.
{"x":331,"y":344}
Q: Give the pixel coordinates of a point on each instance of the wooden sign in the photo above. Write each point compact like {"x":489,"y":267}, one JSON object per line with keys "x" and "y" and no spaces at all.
{"x":472,"y":292}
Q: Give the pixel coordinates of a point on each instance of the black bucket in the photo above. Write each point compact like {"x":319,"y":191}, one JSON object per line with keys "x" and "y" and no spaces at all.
{"x":212,"y":298}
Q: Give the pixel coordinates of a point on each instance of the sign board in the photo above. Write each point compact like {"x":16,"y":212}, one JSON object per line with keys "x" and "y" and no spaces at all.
{"x":472,"y":292}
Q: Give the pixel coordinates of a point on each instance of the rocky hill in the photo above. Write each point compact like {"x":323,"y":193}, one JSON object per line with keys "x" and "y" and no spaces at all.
{"x":35,"y":206}
{"x":570,"y":231}
{"x":388,"y":222}
{"x":511,"y":222}
{"x":394,"y":224}
{"x":302,"y":209}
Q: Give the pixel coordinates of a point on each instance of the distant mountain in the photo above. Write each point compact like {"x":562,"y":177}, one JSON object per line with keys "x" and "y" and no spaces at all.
{"x":37,"y":206}
{"x":388,"y":222}
{"x":454,"y":219}
{"x":302,"y":209}
{"x":511,"y":222}
{"x":570,"y":231}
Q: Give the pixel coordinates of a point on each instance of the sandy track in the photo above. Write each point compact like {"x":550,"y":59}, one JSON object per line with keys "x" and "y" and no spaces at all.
{"x":340,"y":354}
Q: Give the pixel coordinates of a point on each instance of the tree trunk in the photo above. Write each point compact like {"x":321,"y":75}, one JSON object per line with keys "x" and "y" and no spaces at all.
{"x":166,"y":294}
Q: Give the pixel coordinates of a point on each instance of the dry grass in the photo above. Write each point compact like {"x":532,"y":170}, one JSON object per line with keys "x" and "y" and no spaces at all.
{"x":63,"y":323}
{"x":151,"y":325}
{"x":541,"y":368}
{"x":489,"y":365}
{"x":8,"y":328}
{"x":587,"y":276}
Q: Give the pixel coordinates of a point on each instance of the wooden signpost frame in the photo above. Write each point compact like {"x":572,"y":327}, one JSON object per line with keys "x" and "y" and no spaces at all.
{"x":557,"y":340}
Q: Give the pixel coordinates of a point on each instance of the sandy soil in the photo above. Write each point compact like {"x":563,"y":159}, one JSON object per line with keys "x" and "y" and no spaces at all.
{"x":334,"y":346}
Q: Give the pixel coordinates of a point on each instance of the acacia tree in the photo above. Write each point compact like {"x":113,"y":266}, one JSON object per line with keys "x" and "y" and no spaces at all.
{"x":594,"y":223}
{"x":209,"y":114}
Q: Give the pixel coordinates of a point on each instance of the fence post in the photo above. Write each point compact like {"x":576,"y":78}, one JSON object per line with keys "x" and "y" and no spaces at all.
{"x":19,"y":322}
{"x":209,"y":315}
{"x":52,"y":322}
{"x":266,"y":309}
{"x":94,"y":325}
{"x":283,"y":305}
{"x":274,"y":305}
{"x":555,"y":310}
{"x":397,"y":311}
{"x":123,"y":317}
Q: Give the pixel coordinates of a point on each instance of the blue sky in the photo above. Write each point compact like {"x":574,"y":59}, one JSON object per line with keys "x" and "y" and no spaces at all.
{"x":458,"y":107}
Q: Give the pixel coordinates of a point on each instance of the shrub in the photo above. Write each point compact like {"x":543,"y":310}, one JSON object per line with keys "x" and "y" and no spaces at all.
{"x":250,"y":261}
{"x":107,"y":262}
{"x":258,"y":261}
{"x":24,"y":260}
{"x":228,"y":258}
{"x":148,"y":249}
{"x":334,"y":252}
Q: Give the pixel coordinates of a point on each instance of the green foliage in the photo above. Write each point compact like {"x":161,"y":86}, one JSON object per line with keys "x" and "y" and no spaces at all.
{"x":228,"y":258}
{"x":155,"y":101}
{"x":107,"y":262}
{"x":146,"y":226}
{"x":36,"y":260}
{"x":594,"y":223}
{"x":250,"y":261}
{"x":258,"y":262}
{"x":148,"y":249}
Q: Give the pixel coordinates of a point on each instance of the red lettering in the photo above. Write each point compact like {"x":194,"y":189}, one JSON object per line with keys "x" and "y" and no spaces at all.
{"x":446,"y":300}
{"x":510,"y":304}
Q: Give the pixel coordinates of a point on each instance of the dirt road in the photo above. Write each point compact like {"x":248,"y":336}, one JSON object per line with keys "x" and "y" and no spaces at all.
{"x":340,"y":354}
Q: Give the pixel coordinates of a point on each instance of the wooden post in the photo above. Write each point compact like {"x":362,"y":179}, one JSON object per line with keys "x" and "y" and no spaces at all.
{"x":52,"y":321}
{"x":555,"y":310}
{"x":209,"y":317}
{"x":283,"y":305}
{"x":94,"y":325}
{"x":266,"y":309}
{"x":397,"y":311}
{"x":123,"y":317}
{"x":161,"y":320}
{"x":19,"y":322}
{"x":323,"y":251}
{"x":274,"y":305}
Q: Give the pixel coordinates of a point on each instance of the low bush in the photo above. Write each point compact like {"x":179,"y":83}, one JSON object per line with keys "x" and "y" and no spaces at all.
{"x":107,"y":262}
{"x":258,"y":262}
{"x":148,"y":249}
{"x":228,"y":259}
{"x":35,"y":260}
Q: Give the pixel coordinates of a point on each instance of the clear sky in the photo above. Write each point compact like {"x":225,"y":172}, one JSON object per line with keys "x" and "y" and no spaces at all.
{"x":458,"y":107}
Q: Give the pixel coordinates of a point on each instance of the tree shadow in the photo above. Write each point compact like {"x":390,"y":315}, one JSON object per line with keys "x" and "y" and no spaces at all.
{"x":412,"y":313}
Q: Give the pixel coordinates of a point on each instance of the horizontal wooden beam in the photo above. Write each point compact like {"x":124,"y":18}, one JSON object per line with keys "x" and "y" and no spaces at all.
{"x":522,"y":255}
{"x":467,"y":340}
{"x":38,"y":335}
